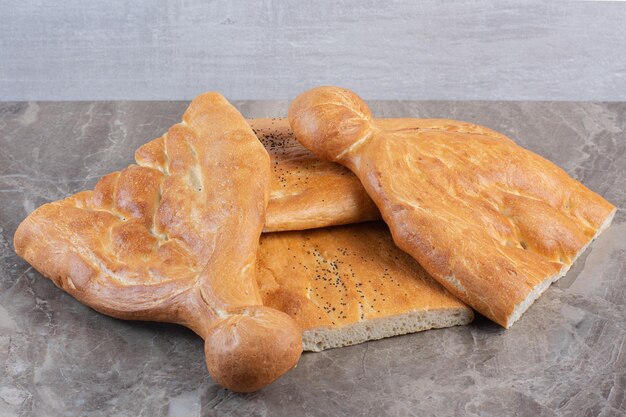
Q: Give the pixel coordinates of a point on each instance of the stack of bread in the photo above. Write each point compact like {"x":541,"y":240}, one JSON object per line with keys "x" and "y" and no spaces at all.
{"x":331,"y":228}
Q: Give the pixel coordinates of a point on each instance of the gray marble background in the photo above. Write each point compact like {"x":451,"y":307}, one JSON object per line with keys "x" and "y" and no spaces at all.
{"x":565,"y":357}
{"x":274,"y":49}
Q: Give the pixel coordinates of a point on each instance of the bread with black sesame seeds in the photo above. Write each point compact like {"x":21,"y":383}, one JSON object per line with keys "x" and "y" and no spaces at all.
{"x":306,"y":192}
{"x":348,"y":284}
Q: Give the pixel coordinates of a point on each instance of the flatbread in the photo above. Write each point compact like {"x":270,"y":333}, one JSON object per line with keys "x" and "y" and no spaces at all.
{"x":306,"y":192}
{"x":349,"y":284}
{"x":493,"y":222}
{"x":174,"y":238}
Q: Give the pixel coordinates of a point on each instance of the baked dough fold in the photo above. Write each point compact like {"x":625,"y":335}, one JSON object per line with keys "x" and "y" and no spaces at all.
{"x":174,"y":238}
{"x":491,"y":221}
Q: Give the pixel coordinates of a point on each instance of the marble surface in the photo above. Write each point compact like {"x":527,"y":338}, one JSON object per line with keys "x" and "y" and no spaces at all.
{"x":566,"y":356}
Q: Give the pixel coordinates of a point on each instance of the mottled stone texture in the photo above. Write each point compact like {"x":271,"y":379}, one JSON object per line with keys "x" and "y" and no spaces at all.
{"x":274,"y":49}
{"x":566,"y":356}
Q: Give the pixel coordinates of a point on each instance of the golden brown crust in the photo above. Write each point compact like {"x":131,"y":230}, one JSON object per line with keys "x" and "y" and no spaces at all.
{"x":489,"y":220}
{"x":174,"y":239}
{"x":306,"y":192}
{"x":335,"y":277}
{"x":252,"y":347}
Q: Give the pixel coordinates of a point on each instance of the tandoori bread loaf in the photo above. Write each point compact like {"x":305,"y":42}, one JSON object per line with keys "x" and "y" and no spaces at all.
{"x":493,"y":222}
{"x":305,"y":191}
{"x":349,"y":284}
{"x":174,"y":238}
